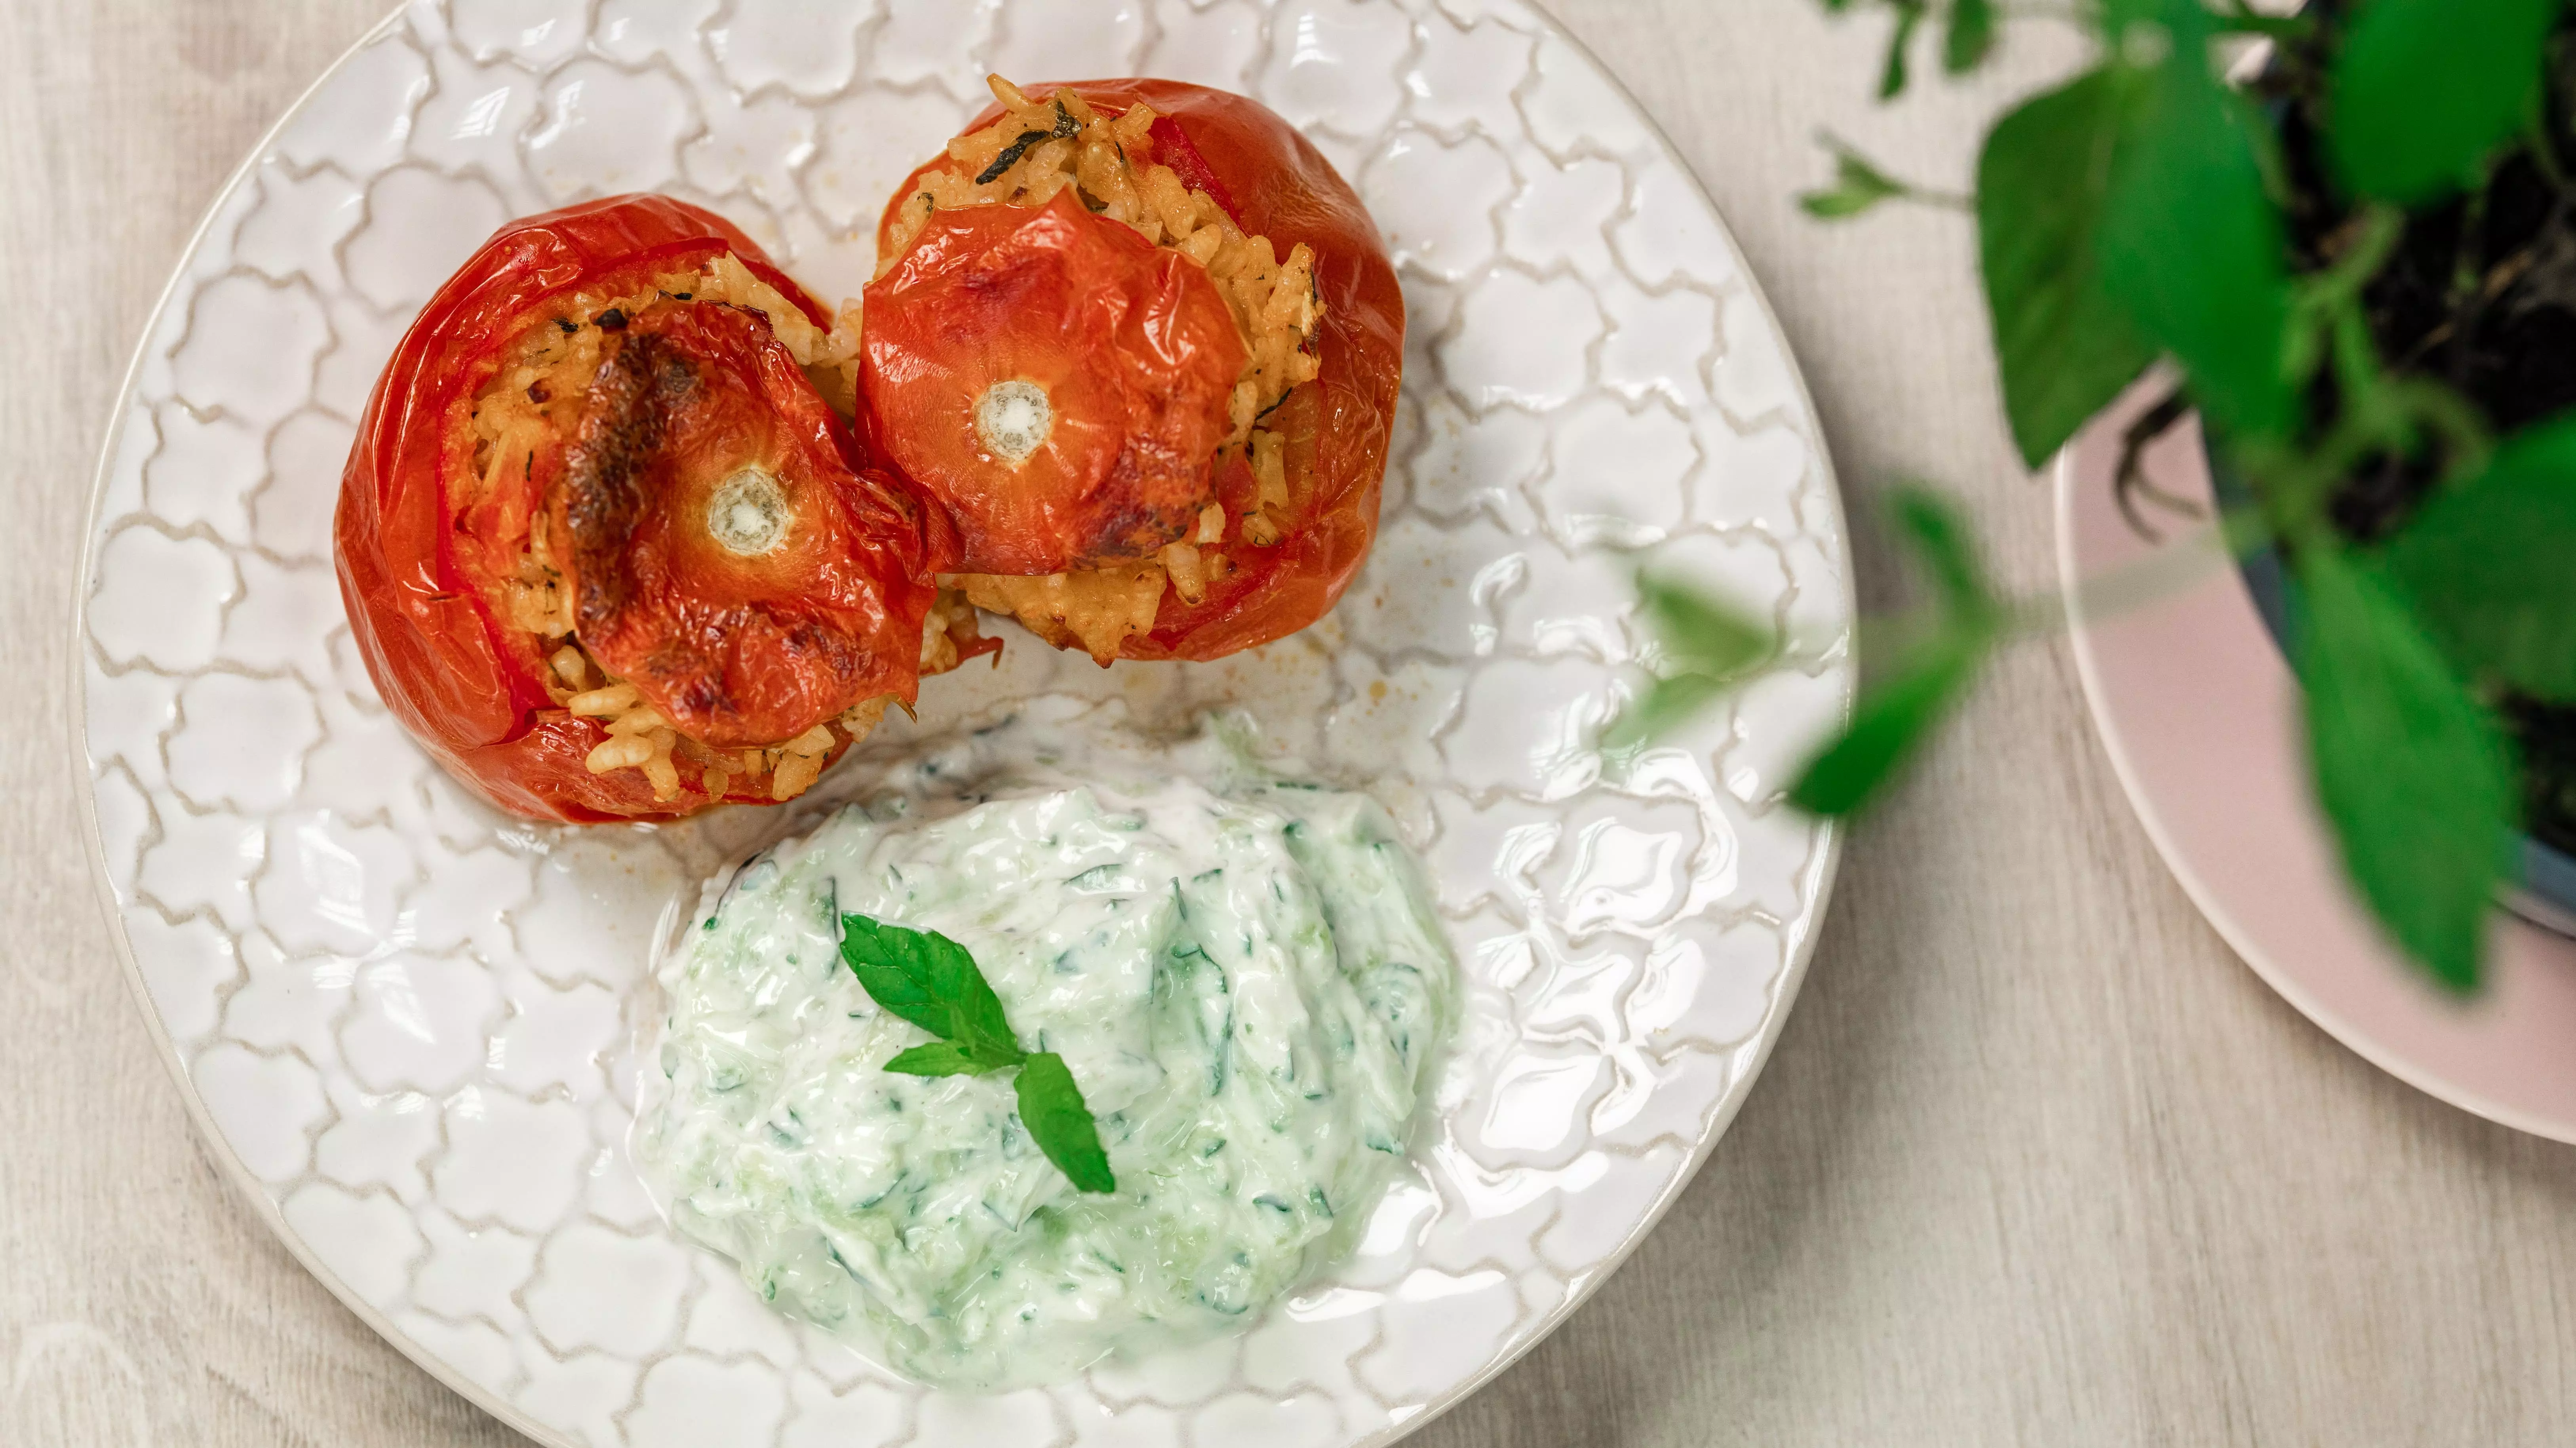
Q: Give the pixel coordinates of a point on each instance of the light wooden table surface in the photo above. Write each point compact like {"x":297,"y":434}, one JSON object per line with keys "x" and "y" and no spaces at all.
{"x":2037,"y":1162}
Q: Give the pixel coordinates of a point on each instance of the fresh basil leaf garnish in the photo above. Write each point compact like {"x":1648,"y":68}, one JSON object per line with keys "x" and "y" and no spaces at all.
{"x":1052,"y":1108}
{"x":933,"y":982}
{"x":939,"y":1058}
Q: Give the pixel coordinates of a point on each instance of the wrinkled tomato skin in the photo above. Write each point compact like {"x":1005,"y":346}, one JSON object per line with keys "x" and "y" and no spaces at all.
{"x":1337,"y":428}
{"x":1131,"y":343}
{"x":735,"y":651}
{"x":442,"y":662}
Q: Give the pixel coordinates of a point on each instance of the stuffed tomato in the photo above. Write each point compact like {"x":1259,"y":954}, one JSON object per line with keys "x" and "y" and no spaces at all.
{"x":1142,"y":344}
{"x":605,"y":547}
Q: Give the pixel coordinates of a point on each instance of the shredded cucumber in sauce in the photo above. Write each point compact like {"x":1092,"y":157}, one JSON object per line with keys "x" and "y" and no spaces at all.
{"x":1247,"y":982}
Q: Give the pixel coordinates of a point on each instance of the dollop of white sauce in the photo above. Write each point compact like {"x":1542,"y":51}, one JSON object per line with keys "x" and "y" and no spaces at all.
{"x":1246,"y":977}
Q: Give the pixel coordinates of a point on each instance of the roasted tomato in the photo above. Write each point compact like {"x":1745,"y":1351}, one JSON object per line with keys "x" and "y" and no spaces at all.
{"x":1059,"y":384}
{"x":607,"y":552}
{"x":1123,"y":477}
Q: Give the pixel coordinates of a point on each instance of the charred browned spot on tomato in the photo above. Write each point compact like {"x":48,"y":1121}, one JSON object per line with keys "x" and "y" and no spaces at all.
{"x":610,"y":469}
{"x":1135,"y":530}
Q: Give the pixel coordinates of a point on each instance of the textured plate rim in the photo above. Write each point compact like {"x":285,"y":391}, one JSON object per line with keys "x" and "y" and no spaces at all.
{"x":1825,"y":867}
{"x":237,"y":1175}
{"x":1829,"y":832}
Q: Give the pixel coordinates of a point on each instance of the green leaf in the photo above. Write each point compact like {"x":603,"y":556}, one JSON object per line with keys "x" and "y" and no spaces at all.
{"x":2065,"y":346}
{"x":2411,"y":771}
{"x":2422,"y":90}
{"x":940,"y":1058}
{"x":1711,"y":647}
{"x":901,"y":969}
{"x":2487,"y":564}
{"x":929,"y":980}
{"x":1702,"y":635}
{"x":2190,"y":241}
{"x":1667,"y":702}
{"x":1857,"y":187}
{"x":1051,"y":1107}
{"x":981,"y":1026}
{"x":1897,"y":715}
{"x":1971,"y":36}
{"x":1909,"y":18}
{"x":1938,"y":536}
{"x":1888,"y":728}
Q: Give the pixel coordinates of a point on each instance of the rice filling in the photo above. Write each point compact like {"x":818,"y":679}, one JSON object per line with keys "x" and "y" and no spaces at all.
{"x":525,"y":409}
{"x":1037,"y":150}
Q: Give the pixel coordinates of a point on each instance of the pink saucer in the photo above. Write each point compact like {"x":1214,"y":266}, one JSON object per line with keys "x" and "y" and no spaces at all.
{"x":2200,"y":715}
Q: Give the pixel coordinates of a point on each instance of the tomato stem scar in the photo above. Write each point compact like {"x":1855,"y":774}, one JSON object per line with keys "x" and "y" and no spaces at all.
{"x":1013,"y":417}
{"x":748,"y":515}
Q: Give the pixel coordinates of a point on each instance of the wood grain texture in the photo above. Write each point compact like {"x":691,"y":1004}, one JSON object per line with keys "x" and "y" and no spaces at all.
{"x":2037,"y":1162}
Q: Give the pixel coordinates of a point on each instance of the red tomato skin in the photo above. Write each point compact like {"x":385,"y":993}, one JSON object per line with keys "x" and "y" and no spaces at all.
{"x":428,"y":640}
{"x":1173,"y":148}
{"x":1276,"y":184}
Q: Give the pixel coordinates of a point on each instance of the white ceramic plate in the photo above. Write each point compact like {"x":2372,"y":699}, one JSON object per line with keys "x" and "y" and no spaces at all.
{"x":407,"y":1024}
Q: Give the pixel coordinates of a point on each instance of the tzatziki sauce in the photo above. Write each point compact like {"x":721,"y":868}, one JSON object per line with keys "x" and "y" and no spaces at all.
{"x":1245,"y":975}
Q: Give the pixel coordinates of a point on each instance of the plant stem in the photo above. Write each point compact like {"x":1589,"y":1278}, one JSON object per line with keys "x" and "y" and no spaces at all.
{"x":2342,"y":283}
{"x":2544,"y":150}
{"x":2321,"y":299}
{"x":1847,"y":157}
{"x":2165,"y":571}
{"x":2465,"y":439}
{"x":2473,"y":231}
{"x":2159,"y":575}
{"x":2327,"y":323}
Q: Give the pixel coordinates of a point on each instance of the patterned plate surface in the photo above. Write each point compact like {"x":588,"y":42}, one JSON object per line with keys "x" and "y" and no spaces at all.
{"x":409,"y":1025}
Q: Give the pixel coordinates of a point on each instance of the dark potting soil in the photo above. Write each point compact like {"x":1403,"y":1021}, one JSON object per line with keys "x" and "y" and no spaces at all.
{"x":2481,"y":293}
